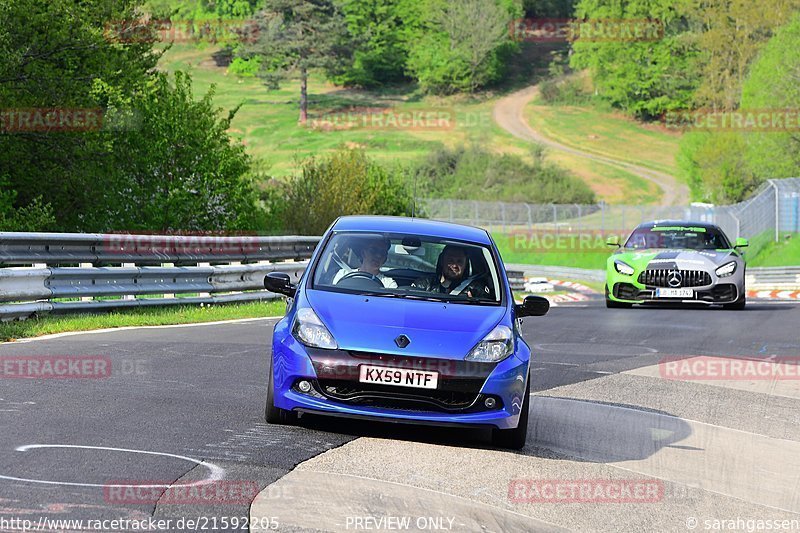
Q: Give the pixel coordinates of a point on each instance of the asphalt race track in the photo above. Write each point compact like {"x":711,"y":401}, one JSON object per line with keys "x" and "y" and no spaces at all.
{"x":185,"y":404}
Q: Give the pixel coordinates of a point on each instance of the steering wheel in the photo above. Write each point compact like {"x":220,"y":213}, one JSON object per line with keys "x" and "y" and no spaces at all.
{"x":466,"y":283}
{"x":360,"y":275}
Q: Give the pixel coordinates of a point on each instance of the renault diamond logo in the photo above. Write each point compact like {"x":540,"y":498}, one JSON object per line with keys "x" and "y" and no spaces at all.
{"x":402,"y":341}
{"x":674,"y":278}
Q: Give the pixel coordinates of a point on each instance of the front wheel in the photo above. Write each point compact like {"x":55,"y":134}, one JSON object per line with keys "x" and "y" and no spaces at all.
{"x":276,"y":415}
{"x":738,"y":305}
{"x":514,"y":439}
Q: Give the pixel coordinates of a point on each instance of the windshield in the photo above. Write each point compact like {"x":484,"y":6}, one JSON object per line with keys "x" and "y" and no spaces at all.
{"x":691,"y":238}
{"x":408,"y":266}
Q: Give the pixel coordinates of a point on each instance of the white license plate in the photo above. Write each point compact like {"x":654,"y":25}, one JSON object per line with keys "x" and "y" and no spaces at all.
{"x":674,"y":293}
{"x":402,"y":377}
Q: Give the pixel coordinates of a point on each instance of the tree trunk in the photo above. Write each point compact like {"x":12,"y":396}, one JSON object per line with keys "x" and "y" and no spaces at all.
{"x":303,"y":96}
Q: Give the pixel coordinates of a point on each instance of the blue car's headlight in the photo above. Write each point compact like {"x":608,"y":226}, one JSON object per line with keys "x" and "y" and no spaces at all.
{"x":726,"y":270}
{"x":623,"y":268}
{"x":310,"y":330}
{"x":495,"y":346}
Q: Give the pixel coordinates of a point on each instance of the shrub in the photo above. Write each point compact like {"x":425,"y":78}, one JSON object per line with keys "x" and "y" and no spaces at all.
{"x":344,"y":183}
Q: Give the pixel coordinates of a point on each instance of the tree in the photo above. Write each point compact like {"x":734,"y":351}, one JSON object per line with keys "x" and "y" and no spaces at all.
{"x":462,"y":46}
{"x":155,"y":160}
{"x":645,"y":77}
{"x":380,"y":55}
{"x":774,"y":84}
{"x":178,"y":166}
{"x":729,"y":35}
{"x":295,"y":36}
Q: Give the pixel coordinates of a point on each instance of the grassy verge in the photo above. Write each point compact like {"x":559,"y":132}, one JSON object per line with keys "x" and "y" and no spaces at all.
{"x":777,"y":254}
{"x":591,"y":129}
{"x":512,"y":250}
{"x":49,"y":324}
{"x":267,"y":124}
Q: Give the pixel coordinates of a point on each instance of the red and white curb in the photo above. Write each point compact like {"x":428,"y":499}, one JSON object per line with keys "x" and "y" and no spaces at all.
{"x":572,"y":285}
{"x":774,"y":295}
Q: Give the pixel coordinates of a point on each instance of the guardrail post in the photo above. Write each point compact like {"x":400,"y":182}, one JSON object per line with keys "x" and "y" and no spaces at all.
{"x":86,"y":298}
{"x":129,"y":296}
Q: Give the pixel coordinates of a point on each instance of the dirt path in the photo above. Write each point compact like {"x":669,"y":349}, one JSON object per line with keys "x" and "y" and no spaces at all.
{"x":508,"y":113}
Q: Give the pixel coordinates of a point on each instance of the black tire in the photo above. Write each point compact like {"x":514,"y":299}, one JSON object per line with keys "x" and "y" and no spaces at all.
{"x":276,"y":415}
{"x":611,"y":304}
{"x":514,"y":439}
{"x":738,"y":305}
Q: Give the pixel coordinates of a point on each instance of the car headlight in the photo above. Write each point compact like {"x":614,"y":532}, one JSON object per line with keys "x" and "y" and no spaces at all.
{"x":726,"y":270}
{"x":310,"y":330}
{"x":623,"y":268}
{"x":495,"y":346}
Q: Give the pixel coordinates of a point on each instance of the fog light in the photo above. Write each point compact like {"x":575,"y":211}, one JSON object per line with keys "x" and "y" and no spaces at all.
{"x":304,"y":386}
{"x":489,"y":403}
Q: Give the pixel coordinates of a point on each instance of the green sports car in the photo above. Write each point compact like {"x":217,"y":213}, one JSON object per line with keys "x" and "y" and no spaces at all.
{"x":676,"y":261}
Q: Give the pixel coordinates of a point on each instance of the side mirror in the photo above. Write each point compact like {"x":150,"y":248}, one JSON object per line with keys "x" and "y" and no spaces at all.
{"x":741,"y":243}
{"x":280,"y":283}
{"x":613,"y":241}
{"x":532,"y":306}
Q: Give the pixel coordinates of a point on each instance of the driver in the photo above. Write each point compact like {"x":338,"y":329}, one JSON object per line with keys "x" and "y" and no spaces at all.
{"x":372,"y":251}
{"x":452,"y":270}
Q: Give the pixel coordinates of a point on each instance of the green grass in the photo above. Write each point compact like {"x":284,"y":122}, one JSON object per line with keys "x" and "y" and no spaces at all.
{"x":606,"y":133}
{"x":190,"y":314}
{"x":777,"y":254}
{"x":267,"y":124}
{"x":514,"y":250}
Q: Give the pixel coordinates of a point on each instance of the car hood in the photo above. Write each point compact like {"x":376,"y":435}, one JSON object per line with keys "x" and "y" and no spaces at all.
{"x":677,"y":259}
{"x":371,"y":324}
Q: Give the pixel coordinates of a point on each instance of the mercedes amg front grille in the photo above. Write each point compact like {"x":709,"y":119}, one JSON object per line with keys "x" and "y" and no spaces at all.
{"x":674,"y":278}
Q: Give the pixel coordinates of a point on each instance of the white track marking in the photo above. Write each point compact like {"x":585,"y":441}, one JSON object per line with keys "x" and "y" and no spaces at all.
{"x":128,"y":328}
{"x":215,"y":472}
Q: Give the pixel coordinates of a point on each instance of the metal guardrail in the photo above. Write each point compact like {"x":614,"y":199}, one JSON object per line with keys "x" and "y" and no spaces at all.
{"x":773,"y":278}
{"x":216,"y":273}
{"x":559,"y":272}
{"x":757,"y":278}
{"x":116,"y":248}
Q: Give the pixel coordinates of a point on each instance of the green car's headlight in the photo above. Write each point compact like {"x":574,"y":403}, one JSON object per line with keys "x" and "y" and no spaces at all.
{"x":623,"y":268}
{"x":726,"y":270}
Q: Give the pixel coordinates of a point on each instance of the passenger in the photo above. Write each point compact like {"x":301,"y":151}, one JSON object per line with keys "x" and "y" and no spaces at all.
{"x":452,"y":271}
{"x":372,"y":252}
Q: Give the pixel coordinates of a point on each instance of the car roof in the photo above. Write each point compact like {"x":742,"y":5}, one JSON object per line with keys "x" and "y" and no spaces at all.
{"x":683,"y":223}
{"x":416,"y":226}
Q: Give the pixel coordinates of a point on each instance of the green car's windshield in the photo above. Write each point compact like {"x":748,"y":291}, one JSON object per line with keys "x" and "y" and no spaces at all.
{"x":690,"y":238}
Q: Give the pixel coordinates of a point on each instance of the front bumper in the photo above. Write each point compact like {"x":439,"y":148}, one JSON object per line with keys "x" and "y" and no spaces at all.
{"x":458,"y":400}
{"x":717,"y":291}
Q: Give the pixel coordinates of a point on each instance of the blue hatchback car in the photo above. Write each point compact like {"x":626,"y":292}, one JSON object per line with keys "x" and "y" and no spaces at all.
{"x":403,"y":320}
